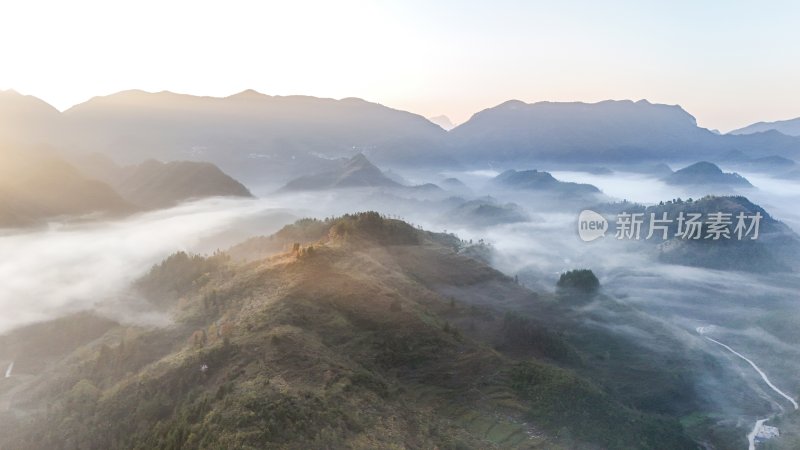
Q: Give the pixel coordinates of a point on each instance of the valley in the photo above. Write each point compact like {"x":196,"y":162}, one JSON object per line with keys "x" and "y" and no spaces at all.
{"x":399,"y":225}
{"x":342,"y":299}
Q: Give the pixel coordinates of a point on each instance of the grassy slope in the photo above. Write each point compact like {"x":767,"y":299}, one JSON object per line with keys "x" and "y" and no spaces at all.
{"x":351,"y":343}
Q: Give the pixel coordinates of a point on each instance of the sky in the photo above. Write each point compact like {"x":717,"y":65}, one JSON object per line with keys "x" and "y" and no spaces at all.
{"x":729,"y":63}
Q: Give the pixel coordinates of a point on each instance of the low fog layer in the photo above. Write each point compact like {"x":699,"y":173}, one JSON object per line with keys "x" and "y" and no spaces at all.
{"x":73,"y":267}
{"x":88,"y":266}
{"x":70,"y":267}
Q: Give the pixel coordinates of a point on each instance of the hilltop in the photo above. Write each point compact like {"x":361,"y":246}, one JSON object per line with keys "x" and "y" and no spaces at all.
{"x":350,"y":332}
{"x":706,"y":173}
{"x":36,"y":186}
{"x":154,"y":184}
{"x":543,"y":182}
{"x":485,"y":211}
{"x":358,"y":171}
{"x":26,"y":120}
{"x":774,"y":250}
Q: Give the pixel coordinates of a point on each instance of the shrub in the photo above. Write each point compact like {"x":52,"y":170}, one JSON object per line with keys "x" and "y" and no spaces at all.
{"x":580,"y":279}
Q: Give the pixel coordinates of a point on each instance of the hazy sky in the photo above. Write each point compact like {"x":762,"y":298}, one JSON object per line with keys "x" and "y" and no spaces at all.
{"x":729,"y":63}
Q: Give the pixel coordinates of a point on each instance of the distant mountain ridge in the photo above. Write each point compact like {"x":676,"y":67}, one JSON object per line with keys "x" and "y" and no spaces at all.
{"x":248,"y":134}
{"x":26,"y":120}
{"x":254,"y":136}
{"x":607,"y":131}
{"x":443,"y":121}
{"x":789,"y":127}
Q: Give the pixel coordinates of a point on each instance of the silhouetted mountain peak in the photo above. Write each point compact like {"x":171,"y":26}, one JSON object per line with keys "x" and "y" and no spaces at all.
{"x":358,"y":171}
{"x":131,"y":98}
{"x":359,"y":161}
{"x":249,"y":93}
{"x":701,"y":168}
{"x":789,"y":127}
{"x":25,"y":119}
{"x":453,"y":182}
{"x":154,"y":184}
{"x":443,"y":121}
{"x":611,"y":130}
{"x":704,"y":172}
{"x":512,"y":104}
{"x":14,"y":101}
{"x":604,"y":106}
{"x":526,"y":177}
{"x":36,"y":186}
{"x":541,"y":181}
{"x":354,"y":100}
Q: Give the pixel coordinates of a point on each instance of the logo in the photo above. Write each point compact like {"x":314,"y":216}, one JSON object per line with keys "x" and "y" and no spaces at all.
{"x":591,"y":225}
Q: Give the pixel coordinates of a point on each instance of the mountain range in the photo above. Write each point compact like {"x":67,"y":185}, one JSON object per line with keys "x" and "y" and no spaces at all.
{"x":247,"y":134}
{"x":608,"y":131}
{"x":257,"y":137}
{"x":790,"y":127}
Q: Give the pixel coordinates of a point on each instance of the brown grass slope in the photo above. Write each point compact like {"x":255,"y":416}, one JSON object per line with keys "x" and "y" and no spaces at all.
{"x":343,"y":343}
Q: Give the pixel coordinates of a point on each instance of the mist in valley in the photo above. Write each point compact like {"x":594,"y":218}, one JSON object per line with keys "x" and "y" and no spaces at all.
{"x":63,"y":268}
{"x":66,"y":268}
{"x":399,"y":225}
